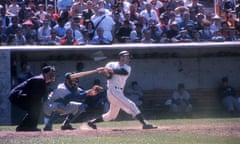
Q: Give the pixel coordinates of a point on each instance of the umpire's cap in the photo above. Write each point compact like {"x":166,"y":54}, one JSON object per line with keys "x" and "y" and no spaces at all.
{"x":48,"y":68}
{"x":124,"y":53}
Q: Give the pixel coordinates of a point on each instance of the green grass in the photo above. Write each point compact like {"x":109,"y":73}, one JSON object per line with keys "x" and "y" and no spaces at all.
{"x":144,"y":137}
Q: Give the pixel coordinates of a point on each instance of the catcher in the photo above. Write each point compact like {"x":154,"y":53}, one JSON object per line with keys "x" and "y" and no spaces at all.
{"x":67,"y":100}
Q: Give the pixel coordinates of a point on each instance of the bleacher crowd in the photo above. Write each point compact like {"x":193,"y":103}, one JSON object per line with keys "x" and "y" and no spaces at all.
{"x":79,"y":22}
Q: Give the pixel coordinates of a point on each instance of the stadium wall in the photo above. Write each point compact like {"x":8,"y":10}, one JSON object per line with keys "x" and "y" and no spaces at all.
{"x":198,"y":65}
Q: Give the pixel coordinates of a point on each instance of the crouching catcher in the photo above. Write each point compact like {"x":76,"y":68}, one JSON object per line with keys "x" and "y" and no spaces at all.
{"x":67,"y":100}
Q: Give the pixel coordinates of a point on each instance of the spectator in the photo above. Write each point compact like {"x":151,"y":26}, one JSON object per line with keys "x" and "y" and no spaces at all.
{"x":134,"y":92}
{"x":88,"y":12}
{"x":194,"y":8}
{"x":216,"y":24}
{"x":173,"y":31}
{"x":59,"y":27}
{"x":3,"y":36}
{"x":183,"y":36}
{"x":29,"y":96}
{"x":106,"y":22}
{"x":227,"y":96}
{"x":190,"y":29}
{"x":164,"y":38}
{"x":147,"y":37}
{"x":41,"y":13}
{"x":13,"y":8}
{"x":100,"y":38}
{"x":225,"y":29}
{"x":78,"y":7}
{"x":232,"y":35}
{"x":11,"y":29}
{"x":19,"y":37}
{"x":124,"y":32}
{"x":197,"y":36}
{"x":198,"y":23}
{"x":206,"y":33}
{"x":133,"y":14}
{"x":4,"y":18}
{"x":89,"y":29}
{"x":44,"y":32}
{"x":181,"y":100}
{"x":77,"y":28}
{"x":186,"y":20}
{"x":217,"y":37}
{"x":54,"y":39}
{"x":150,"y":14}
{"x":69,"y":39}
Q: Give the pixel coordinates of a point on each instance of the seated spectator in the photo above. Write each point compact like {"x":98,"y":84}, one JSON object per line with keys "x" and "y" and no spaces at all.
{"x":124,"y":32}
{"x":44,"y":32}
{"x":164,"y":38}
{"x":217,"y":37}
{"x":133,"y":37}
{"x":147,"y":37}
{"x":232,"y":35}
{"x":216,"y":23}
{"x":194,"y":8}
{"x":206,"y":33}
{"x":100,"y":38}
{"x":134,"y":92}
{"x":197,"y":36}
{"x":68,"y":39}
{"x":54,"y":39}
{"x":13,"y":8}
{"x":181,"y":100}
{"x":173,"y":31}
{"x":183,"y":36}
{"x":227,"y":96}
{"x":19,"y":37}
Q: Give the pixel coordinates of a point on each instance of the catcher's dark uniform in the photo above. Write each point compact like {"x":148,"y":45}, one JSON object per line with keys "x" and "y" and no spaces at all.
{"x":29,"y":96}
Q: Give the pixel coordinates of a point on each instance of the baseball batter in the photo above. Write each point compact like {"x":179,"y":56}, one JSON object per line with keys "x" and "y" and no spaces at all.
{"x":117,"y":73}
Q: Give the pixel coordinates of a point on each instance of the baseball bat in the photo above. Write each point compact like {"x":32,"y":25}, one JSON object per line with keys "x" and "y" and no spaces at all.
{"x":82,"y":74}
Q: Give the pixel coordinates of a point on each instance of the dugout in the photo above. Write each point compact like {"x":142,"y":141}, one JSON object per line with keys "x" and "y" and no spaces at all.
{"x":198,"y":65}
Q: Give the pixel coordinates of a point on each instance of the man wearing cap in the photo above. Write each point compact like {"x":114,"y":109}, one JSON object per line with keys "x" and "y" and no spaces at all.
{"x":29,"y":96}
{"x":117,"y":73}
{"x":67,"y":100}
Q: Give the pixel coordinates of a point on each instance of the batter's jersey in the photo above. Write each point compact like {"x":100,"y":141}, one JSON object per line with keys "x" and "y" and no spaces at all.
{"x":118,"y":80}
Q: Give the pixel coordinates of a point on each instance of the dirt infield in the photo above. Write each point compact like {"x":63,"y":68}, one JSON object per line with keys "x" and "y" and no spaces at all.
{"x":226,"y":129}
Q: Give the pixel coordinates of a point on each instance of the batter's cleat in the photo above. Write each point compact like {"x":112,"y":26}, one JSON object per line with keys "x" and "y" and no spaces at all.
{"x":149,"y":126}
{"x":92,"y":125}
{"x":67,"y":127}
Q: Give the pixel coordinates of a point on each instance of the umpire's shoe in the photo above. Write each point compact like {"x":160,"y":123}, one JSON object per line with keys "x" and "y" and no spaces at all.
{"x":25,"y":129}
{"x":149,"y":126}
{"x":92,"y":125}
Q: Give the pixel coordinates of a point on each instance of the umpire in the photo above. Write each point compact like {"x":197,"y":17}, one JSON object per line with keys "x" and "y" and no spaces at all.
{"x":29,"y":96}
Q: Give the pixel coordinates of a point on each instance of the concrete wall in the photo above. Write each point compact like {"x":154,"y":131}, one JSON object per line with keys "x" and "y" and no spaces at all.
{"x":163,"y":73}
{"x":4,"y":86}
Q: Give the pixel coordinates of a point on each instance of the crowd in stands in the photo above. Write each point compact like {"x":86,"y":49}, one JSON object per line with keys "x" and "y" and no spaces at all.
{"x":79,"y":22}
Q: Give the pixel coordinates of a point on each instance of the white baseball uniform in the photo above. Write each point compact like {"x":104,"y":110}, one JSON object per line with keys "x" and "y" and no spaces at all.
{"x":115,"y":94}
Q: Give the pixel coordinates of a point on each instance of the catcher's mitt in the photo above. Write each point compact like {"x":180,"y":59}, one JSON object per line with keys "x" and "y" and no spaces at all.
{"x":95,"y":90}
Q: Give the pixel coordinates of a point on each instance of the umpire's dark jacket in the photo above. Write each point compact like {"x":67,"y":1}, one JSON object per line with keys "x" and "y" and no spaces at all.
{"x":30,"y":93}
